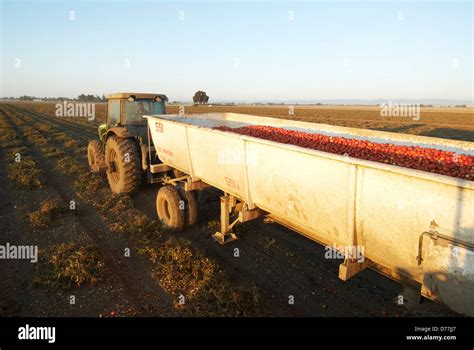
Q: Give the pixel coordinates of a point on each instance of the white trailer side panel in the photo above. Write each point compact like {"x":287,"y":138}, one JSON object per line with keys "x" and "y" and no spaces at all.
{"x":339,"y":200}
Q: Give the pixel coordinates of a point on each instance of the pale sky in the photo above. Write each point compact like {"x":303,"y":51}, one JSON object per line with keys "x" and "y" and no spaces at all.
{"x":239,"y":50}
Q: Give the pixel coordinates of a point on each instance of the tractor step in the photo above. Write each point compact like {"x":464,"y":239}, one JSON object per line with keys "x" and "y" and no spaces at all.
{"x":159,"y":168}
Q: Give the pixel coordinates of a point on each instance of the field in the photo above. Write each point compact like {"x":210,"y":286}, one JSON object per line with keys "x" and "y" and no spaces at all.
{"x":106,"y":255}
{"x":450,"y":123}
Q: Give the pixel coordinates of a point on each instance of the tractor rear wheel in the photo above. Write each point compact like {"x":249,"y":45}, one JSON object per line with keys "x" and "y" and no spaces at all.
{"x":122,"y":162}
{"x":95,"y":156}
{"x":170,"y":208}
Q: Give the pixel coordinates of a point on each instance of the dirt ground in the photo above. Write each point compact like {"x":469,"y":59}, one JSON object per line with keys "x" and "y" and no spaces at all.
{"x":104,"y":255}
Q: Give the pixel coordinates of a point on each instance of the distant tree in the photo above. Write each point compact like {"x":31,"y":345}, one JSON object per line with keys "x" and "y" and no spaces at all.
{"x":89,"y":98}
{"x":200,"y":97}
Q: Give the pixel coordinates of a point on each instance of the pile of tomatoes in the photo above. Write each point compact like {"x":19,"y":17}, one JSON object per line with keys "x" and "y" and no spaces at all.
{"x":413,"y":157}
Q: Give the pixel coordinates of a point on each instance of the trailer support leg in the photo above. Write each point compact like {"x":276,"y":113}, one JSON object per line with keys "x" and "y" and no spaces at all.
{"x":225,"y":236}
{"x":230,"y":204}
{"x":349,"y":268}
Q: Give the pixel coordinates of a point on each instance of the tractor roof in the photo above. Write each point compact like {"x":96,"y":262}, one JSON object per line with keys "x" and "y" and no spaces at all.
{"x":137,"y":95}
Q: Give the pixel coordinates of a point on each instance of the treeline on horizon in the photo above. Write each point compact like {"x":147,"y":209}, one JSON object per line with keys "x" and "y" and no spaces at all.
{"x":81,"y":97}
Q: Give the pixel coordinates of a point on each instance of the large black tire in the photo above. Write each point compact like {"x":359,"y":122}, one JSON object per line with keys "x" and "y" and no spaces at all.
{"x":123,"y":166}
{"x":96,"y":156}
{"x":191,"y":205}
{"x":170,"y":208}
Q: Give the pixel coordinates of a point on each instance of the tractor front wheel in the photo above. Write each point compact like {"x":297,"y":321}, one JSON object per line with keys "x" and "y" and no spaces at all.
{"x":122,"y":162}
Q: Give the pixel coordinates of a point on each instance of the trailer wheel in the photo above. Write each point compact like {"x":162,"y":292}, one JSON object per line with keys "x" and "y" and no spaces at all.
{"x":123,"y":165}
{"x":170,"y":208}
{"x":191,"y":205}
{"x":96,"y":156}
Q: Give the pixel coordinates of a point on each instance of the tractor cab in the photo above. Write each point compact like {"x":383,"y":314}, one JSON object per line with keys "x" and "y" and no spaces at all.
{"x":126,"y":111}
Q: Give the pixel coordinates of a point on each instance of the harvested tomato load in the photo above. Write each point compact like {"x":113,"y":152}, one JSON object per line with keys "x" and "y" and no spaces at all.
{"x":414,"y":157}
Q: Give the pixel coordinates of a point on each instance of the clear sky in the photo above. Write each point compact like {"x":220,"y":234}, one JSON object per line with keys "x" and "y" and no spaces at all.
{"x":275,"y":50}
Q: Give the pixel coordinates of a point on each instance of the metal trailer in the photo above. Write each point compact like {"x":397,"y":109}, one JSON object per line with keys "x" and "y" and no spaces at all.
{"x":415,"y":227}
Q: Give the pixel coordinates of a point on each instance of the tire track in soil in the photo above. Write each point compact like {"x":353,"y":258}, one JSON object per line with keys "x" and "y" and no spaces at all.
{"x":148,"y":297}
{"x":10,"y":285}
{"x":78,"y":132}
{"x":88,"y":128}
{"x":14,"y":298}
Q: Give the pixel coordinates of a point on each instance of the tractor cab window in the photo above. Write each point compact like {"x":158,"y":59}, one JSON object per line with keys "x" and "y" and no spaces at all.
{"x":134,"y":111}
{"x":114,"y":112}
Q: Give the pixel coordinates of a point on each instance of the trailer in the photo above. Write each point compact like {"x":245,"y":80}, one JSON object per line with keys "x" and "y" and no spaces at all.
{"x":412,"y":226}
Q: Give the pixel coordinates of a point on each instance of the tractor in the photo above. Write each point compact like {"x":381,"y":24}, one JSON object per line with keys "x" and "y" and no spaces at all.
{"x":125,"y":152}
{"x":123,"y":148}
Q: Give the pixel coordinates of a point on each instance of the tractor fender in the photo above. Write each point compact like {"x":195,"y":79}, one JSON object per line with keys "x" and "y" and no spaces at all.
{"x":120,"y":132}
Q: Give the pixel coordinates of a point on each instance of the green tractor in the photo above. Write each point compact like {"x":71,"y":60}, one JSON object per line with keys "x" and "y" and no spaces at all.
{"x":123,"y":148}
